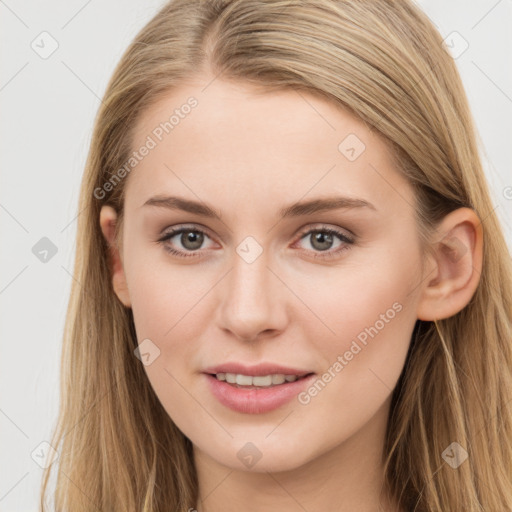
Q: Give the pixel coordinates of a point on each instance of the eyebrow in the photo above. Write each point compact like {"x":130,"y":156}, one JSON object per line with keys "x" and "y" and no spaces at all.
{"x":293,"y":210}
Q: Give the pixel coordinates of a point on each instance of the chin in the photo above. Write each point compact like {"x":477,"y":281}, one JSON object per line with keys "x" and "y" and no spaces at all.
{"x":261,"y":458}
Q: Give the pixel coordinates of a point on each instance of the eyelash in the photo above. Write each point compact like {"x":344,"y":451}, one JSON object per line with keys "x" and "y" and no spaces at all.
{"x":325,"y":255}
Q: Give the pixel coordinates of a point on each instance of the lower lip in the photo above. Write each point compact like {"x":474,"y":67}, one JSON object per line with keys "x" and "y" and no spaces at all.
{"x":256,"y":401}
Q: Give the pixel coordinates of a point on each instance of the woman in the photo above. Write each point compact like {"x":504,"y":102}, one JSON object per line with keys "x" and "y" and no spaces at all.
{"x":292,"y":291}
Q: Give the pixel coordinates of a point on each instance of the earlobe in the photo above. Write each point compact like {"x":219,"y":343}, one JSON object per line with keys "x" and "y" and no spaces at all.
{"x":108,"y":219}
{"x":458,"y":247}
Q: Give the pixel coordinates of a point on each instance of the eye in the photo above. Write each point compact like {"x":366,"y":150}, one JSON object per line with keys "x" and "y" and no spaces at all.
{"x":322,"y":239}
{"x":190,"y":238}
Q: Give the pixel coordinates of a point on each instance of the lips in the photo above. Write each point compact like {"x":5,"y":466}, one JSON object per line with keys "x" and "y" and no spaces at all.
{"x":260,"y":369}
{"x":255,"y":401}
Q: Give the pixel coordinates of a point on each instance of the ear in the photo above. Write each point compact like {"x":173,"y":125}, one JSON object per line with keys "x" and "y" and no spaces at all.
{"x":455,"y":267}
{"x":108,"y":220}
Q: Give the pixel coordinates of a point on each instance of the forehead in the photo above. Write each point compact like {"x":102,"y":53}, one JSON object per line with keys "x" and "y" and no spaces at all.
{"x":232,"y":142}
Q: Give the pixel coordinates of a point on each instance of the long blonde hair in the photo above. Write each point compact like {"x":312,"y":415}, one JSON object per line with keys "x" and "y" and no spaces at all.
{"x":383,"y":61}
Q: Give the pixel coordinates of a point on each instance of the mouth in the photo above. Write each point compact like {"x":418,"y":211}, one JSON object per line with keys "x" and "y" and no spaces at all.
{"x":248,"y":394}
{"x":242,"y":381}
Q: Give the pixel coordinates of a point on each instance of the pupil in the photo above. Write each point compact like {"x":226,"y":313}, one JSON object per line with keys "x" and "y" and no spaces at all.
{"x":196,"y":239}
{"x":325,"y":238}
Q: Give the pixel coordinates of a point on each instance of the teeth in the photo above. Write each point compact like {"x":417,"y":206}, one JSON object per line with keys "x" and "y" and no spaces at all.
{"x":243,"y":380}
{"x":279,"y":378}
{"x":261,"y":381}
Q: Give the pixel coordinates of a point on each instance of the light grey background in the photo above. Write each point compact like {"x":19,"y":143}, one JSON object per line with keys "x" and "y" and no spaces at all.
{"x":48,"y":107}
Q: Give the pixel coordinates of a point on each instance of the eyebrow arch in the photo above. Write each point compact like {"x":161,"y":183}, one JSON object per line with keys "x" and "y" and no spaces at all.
{"x":293,"y":210}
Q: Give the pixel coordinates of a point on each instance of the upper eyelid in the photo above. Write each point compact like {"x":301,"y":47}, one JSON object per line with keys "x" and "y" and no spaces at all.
{"x":325,"y":226}
{"x":176,"y":230}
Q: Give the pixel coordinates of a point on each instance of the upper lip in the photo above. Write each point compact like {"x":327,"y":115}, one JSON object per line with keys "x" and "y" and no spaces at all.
{"x":256,"y":370}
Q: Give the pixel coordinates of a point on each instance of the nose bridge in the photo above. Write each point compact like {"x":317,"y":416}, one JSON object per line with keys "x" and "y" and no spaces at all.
{"x":250,"y":298}
{"x":250,"y":278}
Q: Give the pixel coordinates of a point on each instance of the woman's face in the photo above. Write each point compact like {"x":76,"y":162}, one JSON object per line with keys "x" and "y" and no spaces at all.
{"x":331,"y":291}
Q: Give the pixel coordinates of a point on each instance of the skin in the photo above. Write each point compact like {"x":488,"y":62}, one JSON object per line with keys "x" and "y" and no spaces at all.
{"x":248,"y":155}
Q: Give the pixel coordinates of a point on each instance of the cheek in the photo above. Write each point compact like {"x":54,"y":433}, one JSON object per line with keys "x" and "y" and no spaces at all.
{"x":170,"y":308}
{"x":166,"y":308}
{"x":368,"y":314}
{"x":362,"y":361}
{"x":163,"y":295}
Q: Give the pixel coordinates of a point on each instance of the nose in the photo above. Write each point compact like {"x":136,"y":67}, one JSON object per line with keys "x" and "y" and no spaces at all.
{"x":253,"y":300}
